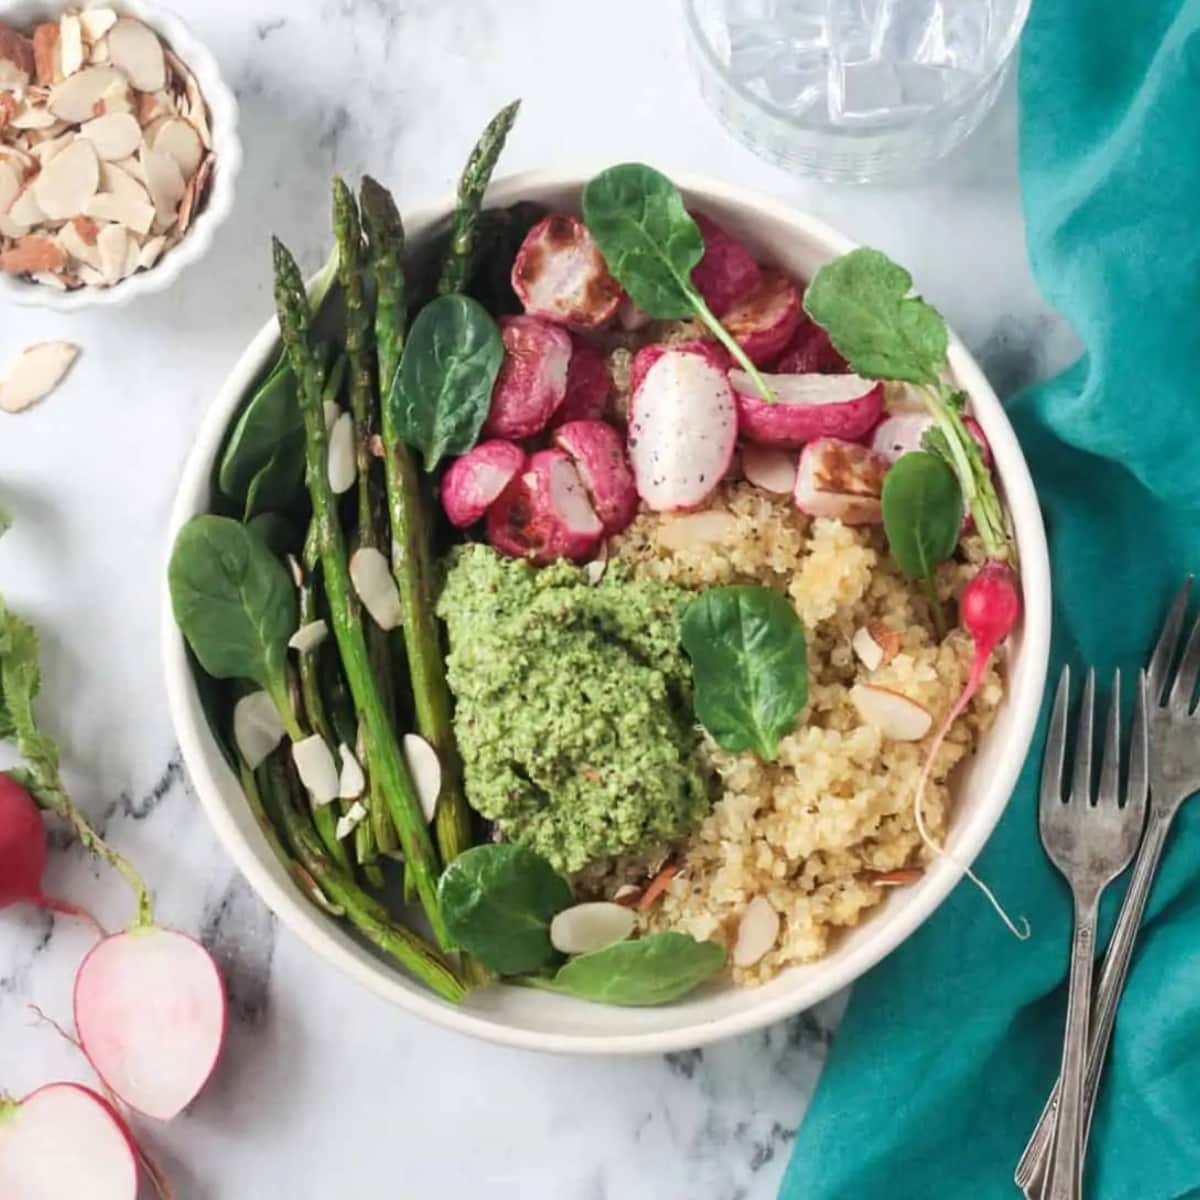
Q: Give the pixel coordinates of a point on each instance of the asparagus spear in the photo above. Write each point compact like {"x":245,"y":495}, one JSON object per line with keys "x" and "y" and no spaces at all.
{"x":406,"y":506}
{"x":382,"y":750}
{"x":474,"y":182}
{"x":367,"y":915}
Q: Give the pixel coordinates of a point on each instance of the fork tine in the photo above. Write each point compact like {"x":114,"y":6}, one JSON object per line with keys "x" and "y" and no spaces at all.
{"x":1081,"y":777}
{"x":1110,"y":764}
{"x":1138,"y":790}
{"x":1056,"y":744}
{"x":1168,"y":641}
{"x":1189,"y":671}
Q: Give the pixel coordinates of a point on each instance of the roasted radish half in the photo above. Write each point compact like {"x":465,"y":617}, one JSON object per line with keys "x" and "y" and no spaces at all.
{"x":589,"y":384}
{"x":645,"y":358}
{"x":807,"y":407}
{"x":682,"y":428}
{"x":810,"y":352}
{"x":763,"y":322}
{"x":842,"y":480}
{"x":727,"y":273}
{"x":545,"y":513}
{"x":559,"y":274}
{"x":598,"y":452}
{"x":903,"y":432}
{"x":475,"y":480}
{"x":533,"y":377}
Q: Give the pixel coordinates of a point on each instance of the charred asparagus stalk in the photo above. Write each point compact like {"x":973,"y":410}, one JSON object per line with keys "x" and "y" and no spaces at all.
{"x":384,"y":759}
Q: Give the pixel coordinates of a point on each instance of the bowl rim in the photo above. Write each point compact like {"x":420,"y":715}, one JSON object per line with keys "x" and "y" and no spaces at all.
{"x":1024,"y":693}
{"x":227,"y":146}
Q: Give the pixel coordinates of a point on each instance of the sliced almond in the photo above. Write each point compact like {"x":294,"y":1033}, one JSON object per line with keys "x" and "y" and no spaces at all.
{"x":187,"y":206}
{"x":697,"y":529}
{"x":124,"y":179}
{"x":426,"y":770}
{"x":164,"y":182}
{"x":112,"y":245}
{"x":586,"y":928}
{"x":342,"y":467}
{"x":89,"y":275}
{"x":350,"y":820}
{"x":351,"y":780}
{"x":25,"y":210}
{"x":316,"y":768}
{"x":10,"y":185}
{"x":78,"y":247}
{"x":895,"y":715}
{"x":869,"y":651}
{"x":769,"y":468}
{"x":35,"y":374}
{"x":98,"y":52}
{"x":308,"y":637}
{"x":135,"y":49}
{"x":115,"y":135}
{"x":257,"y":728}
{"x":45,"y":53}
{"x":32,"y":116}
{"x":151,"y":252}
{"x":68,"y":181}
{"x":179,"y":139}
{"x":60,"y":283}
{"x":116,"y":98}
{"x":97,"y":22}
{"x":19,"y":159}
{"x":133,"y":252}
{"x":373,"y":582}
{"x":74,"y":99}
{"x":87,"y":229}
{"x":888,"y":639}
{"x":45,"y":150}
{"x":8,"y":106}
{"x":134,"y":214}
{"x":32,"y":253}
{"x":70,"y":43}
{"x":758,"y":931}
{"x":152,"y":107}
{"x":16,"y":58}
{"x":196,"y":109}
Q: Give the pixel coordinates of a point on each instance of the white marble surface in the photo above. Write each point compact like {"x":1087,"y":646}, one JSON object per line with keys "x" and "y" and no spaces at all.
{"x":325,"y":1091}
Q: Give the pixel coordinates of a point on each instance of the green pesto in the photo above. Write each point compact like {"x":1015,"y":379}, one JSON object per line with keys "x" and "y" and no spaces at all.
{"x":574,"y":710}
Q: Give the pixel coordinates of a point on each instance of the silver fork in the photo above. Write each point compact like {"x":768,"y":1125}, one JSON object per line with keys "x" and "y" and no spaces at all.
{"x":1091,"y":840}
{"x":1174,"y":765}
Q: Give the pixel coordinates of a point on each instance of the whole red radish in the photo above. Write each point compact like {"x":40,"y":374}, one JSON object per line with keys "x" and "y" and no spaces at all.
{"x":763,"y":322}
{"x":545,"y":513}
{"x":560,"y":274}
{"x":473,"y":482}
{"x":807,"y":407}
{"x":589,"y":384}
{"x":64,"y":1142}
{"x":533,"y":377}
{"x":727,"y":273}
{"x":150,"y":1012}
{"x":598,"y":452}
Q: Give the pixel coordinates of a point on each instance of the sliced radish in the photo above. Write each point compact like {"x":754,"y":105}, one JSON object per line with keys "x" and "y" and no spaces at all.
{"x":257,"y":728}
{"x":545,"y":513}
{"x":645,"y":358}
{"x":589,"y":384}
{"x":533,"y":377}
{"x":769,"y":468}
{"x":473,"y":482}
{"x":810,"y":352}
{"x":309,"y":636}
{"x":807,"y":407}
{"x":560,"y":274}
{"x":586,"y":928}
{"x":727,"y":273}
{"x":758,"y":931}
{"x":902,"y":432}
{"x":764,"y":322}
{"x":64,"y":1142}
{"x":150,"y":1011}
{"x":842,"y":480}
{"x":425,"y":767}
{"x":682,"y":430}
{"x":896,"y":716}
{"x":598,"y":451}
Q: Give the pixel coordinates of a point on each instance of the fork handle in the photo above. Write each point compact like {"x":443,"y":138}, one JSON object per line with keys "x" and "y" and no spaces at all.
{"x":1032,"y":1164}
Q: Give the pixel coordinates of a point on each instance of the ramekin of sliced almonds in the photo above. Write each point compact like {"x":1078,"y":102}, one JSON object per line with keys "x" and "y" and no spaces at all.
{"x":118,"y":149}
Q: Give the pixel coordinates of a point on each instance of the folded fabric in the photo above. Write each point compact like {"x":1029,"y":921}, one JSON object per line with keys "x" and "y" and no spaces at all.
{"x":949,"y":1047}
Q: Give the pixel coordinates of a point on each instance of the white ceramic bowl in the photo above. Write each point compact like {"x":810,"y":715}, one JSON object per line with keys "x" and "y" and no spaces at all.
{"x":227,"y":148}
{"x":543,"y":1021}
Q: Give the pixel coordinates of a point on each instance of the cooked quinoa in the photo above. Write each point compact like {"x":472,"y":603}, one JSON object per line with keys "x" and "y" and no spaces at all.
{"x":808,"y":830}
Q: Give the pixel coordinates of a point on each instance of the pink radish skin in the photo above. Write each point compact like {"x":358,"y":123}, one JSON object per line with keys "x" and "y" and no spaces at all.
{"x":23,"y":853}
{"x":811,"y":352}
{"x":727,"y":273}
{"x":473,"y":482}
{"x":682,"y":429}
{"x":150,"y":1011}
{"x":843,"y":480}
{"x":807,"y":407}
{"x":533,"y":377}
{"x":901,"y":433}
{"x":64,"y":1142}
{"x":763,"y":322}
{"x":545,"y":513}
{"x":646,"y":357}
{"x":598,"y":452}
{"x":560,"y":274}
{"x":589,"y":384}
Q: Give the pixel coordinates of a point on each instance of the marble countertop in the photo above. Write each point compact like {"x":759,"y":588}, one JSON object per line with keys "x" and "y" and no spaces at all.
{"x":324,"y":1090}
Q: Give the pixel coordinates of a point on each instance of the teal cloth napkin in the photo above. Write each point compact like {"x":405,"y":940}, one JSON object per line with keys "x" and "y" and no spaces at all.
{"x":949,"y":1046}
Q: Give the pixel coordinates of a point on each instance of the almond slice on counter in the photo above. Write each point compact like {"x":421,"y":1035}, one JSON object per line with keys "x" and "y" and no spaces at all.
{"x":136,"y":50}
{"x":35,"y":374}
{"x":115,"y":135}
{"x":895,"y":715}
{"x":70,"y":43}
{"x":425,"y":767}
{"x":75,"y":98}
{"x":33,"y":252}
{"x":112,"y":244}
{"x":97,"y":22}
{"x":758,"y":931}
{"x":178,"y":138}
{"x":45,"y":53}
{"x":68,"y":181}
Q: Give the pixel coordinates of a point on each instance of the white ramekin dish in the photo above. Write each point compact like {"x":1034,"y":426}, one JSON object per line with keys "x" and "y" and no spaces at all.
{"x":23,"y":15}
{"x":540,"y":1020}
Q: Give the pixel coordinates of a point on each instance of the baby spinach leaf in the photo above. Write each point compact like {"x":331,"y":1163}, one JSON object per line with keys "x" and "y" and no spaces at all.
{"x":922,"y":512}
{"x":750,"y":666}
{"x":498,"y":902}
{"x":650,"y":244}
{"x":269,"y":424}
{"x":652,"y":970}
{"x":443,"y":388}
{"x":862,"y":300}
{"x":281,"y":536}
{"x":235,"y":603}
